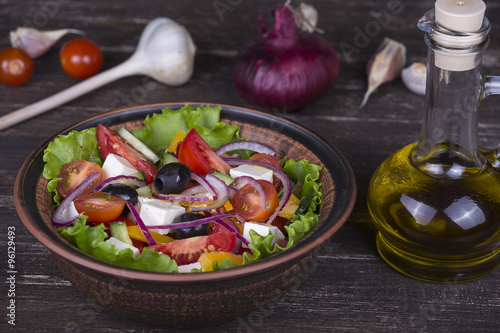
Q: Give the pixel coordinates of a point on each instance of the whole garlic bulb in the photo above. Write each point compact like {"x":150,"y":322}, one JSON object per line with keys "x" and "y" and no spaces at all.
{"x":415,"y":77}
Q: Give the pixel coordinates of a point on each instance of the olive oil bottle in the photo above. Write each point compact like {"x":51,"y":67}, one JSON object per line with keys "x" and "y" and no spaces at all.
{"x":436,"y":202}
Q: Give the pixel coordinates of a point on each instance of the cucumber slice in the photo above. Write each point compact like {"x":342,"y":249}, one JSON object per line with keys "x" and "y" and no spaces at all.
{"x":137,"y":144}
{"x":144,"y":191}
{"x":119,"y":231}
{"x":169,"y":158}
{"x":224,"y":177}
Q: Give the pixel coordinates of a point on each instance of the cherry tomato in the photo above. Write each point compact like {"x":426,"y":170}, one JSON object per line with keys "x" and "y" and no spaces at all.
{"x":199,"y":156}
{"x":248,"y":203}
{"x":74,"y":173}
{"x":81,"y":58}
{"x":188,"y":250}
{"x":271,"y":160}
{"x":16,"y":66}
{"x":110,"y":142}
{"x":99,"y":206}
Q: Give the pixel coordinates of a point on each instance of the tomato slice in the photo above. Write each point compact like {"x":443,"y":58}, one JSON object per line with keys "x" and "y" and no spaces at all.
{"x":248,"y":203}
{"x":110,"y":142}
{"x":199,"y":156}
{"x":271,"y":160}
{"x":74,"y":173}
{"x":99,"y":207}
{"x":188,"y":250}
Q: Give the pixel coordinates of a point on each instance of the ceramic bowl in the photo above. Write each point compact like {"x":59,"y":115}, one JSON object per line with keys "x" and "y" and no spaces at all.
{"x":194,"y":299}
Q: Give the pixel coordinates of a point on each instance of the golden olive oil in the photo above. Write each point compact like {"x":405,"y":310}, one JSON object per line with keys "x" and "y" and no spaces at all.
{"x":435,"y":228}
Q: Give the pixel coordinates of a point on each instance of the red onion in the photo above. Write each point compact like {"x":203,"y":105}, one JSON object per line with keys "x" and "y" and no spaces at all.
{"x":287,"y":186}
{"x":248,"y":145}
{"x":239,"y":182}
{"x":141,"y":224}
{"x":285,"y":68}
{"x":221,"y":193}
{"x":212,"y":218}
{"x":127,"y":180}
{"x":57,"y":218}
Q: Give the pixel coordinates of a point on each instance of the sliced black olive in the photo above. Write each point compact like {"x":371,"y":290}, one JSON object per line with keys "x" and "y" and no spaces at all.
{"x":172,"y":178}
{"x":126,"y":192}
{"x":198,"y":230}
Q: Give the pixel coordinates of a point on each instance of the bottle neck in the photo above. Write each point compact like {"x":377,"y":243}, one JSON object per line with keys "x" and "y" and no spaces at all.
{"x":448,"y":144}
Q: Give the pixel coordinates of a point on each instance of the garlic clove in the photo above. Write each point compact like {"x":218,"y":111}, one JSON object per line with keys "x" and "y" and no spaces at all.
{"x":306,"y":18}
{"x":36,"y":42}
{"x":415,"y":77}
{"x":384,"y":66}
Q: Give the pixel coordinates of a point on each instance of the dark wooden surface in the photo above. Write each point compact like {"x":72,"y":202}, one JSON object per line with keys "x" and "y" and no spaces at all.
{"x":351,"y":289}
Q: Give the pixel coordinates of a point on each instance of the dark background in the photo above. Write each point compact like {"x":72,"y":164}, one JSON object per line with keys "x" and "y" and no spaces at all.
{"x":351,"y":289}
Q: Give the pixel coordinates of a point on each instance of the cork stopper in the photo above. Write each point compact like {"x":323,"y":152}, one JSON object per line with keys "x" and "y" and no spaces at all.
{"x":460,"y":15}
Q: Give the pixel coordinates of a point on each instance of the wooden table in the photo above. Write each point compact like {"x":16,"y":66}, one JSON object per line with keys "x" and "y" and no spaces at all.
{"x":352,"y":288}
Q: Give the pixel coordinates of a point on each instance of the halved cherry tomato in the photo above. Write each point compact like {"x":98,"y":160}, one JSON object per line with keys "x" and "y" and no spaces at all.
{"x":99,"y":206}
{"x":74,"y":173}
{"x":271,"y":160}
{"x":110,"y":142}
{"x":248,"y":203}
{"x":81,"y":58}
{"x":199,"y":156}
{"x":188,"y":250}
{"x":16,"y":66}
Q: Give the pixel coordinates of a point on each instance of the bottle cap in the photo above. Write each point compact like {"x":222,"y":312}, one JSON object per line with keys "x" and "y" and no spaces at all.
{"x":464,"y":16}
{"x":460,"y":15}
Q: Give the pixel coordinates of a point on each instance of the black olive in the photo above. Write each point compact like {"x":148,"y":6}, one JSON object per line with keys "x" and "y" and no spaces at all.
{"x":172,"y":178}
{"x":198,"y":230}
{"x":126,"y":192}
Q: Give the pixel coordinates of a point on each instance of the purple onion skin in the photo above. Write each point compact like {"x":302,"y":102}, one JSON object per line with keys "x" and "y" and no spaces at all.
{"x":285,"y":68}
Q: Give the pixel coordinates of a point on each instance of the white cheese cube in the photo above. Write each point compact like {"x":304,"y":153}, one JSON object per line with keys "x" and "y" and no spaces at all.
{"x":256,"y":172}
{"x":121,"y":245}
{"x":115,"y":165}
{"x":154,"y":212}
{"x":187,"y":268}
{"x":263,"y":230}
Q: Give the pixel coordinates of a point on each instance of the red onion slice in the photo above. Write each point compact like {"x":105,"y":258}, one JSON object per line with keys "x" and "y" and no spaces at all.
{"x":221,"y":196}
{"x":248,"y":145}
{"x":57,"y":219}
{"x":205,"y":183}
{"x":239,"y":182}
{"x":180,"y":197}
{"x":213,"y":218}
{"x":287,"y":186}
{"x":127,"y":180}
{"x":141,"y":224}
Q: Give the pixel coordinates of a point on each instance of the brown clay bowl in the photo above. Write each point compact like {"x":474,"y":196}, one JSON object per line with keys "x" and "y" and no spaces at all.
{"x":189,"y":299}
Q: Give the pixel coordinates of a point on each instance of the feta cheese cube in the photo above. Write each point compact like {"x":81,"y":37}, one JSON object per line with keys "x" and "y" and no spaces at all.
{"x":121,"y":245}
{"x":254,"y":171}
{"x":187,"y":268}
{"x":115,"y":165}
{"x":155,"y":212}
{"x":263,"y":230}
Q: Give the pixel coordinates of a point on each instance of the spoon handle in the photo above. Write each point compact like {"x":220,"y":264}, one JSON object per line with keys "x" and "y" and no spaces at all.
{"x":127,"y":68}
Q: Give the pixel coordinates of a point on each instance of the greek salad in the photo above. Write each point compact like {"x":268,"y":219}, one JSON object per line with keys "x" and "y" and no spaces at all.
{"x":183,"y":194}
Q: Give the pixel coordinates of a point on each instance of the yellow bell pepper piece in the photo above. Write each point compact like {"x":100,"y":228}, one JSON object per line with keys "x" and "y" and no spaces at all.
{"x":290,"y":207}
{"x":172,"y":147}
{"x":135,"y":232}
{"x":207,"y":259}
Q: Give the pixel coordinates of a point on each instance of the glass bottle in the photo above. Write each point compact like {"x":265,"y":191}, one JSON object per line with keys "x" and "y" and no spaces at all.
{"x":436,"y":202}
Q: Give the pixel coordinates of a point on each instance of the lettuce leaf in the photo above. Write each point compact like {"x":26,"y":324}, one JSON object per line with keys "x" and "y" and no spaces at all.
{"x":91,"y":240}
{"x":66,"y":148}
{"x":161,"y":127}
{"x":300,"y":172}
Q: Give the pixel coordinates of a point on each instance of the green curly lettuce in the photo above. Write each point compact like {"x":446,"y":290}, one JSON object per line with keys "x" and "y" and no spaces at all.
{"x":91,"y":240}
{"x":162,"y":127}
